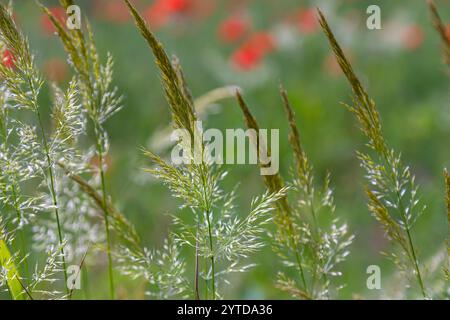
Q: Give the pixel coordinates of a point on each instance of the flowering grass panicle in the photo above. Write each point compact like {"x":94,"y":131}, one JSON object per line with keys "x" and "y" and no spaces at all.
{"x":309,"y":250}
{"x":392,"y":191}
{"x":214,"y":231}
{"x":100,"y":100}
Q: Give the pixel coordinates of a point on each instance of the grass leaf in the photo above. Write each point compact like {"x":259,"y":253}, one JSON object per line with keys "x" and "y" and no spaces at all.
{"x":12,"y":273}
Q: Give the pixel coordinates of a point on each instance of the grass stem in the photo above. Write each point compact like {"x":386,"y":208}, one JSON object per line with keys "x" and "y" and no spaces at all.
{"x":106,"y":212}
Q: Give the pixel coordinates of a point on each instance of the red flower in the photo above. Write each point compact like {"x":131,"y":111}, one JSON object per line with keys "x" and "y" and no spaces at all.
{"x":176,"y":6}
{"x":156,"y":14}
{"x":59,"y":13}
{"x":159,"y":13}
{"x":8,"y":59}
{"x":233,"y":28}
{"x":252,"y":52}
{"x":413,"y":37}
{"x":246,"y":58}
{"x":262,"y":42}
{"x":307,"y":21}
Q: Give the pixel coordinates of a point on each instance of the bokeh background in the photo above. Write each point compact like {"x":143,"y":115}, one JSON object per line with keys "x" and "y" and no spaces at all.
{"x":255,"y":44}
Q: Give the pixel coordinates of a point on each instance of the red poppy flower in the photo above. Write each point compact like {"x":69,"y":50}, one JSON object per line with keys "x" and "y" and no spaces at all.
{"x":413,"y":37}
{"x":59,"y":13}
{"x":252,"y":52}
{"x":233,"y":28}
{"x":246,"y":58}
{"x":262,"y":42}
{"x":8,"y":59}
{"x":176,"y":6}
{"x":156,"y":14}
{"x":307,"y":21}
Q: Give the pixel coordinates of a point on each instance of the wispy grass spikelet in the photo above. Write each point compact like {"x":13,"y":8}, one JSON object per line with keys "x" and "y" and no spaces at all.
{"x":312,"y":250}
{"x":213,"y":231}
{"x":393,"y":195}
{"x":24,"y":82}
{"x":99,"y":98}
{"x":183,"y":113}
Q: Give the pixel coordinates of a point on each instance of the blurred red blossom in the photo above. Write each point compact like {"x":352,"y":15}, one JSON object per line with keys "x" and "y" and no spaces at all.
{"x":413,"y":37}
{"x":263,"y":42}
{"x":8,"y":59}
{"x":46,"y":24}
{"x":233,"y":28}
{"x":56,"y":69}
{"x":246,"y":58}
{"x":307,"y":20}
{"x":250,"y":55}
{"x":160,"y":11}
{"x":177,"y":6}
{"x":114,"y":11}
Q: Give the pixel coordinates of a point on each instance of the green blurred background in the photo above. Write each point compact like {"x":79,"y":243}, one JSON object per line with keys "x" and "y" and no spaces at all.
{"x":401,"y":65}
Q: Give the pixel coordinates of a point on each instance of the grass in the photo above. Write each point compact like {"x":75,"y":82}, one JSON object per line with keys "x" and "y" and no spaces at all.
{"x":298,"y":217}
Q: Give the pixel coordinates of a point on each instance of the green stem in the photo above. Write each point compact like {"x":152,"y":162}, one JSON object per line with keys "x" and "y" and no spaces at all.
{"x":212,"y":257}
{"x":298,"y":259}
{"x":411,"y":246}
{"x":196,"y":288}
{"x":53,"y":193}
{"x":416,"y":264}
{"x":106,"y":213}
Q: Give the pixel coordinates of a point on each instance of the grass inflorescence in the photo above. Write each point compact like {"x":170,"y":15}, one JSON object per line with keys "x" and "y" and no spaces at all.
{"x":54,"y":188}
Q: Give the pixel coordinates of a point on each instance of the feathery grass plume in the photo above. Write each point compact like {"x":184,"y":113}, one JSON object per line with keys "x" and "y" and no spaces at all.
{"x":24,"y":83}
{"x":181,"y":108}
{"x":284,"y":220}
{"x":440,"y":28}
{"x":122,"y":227}
{"x":313,"y":250}
{"x":392,"y":193}
{"x":163,"y":269}
{"x":100,"y":99}
{"x":214,"y":232}
{"x":45,"y":276}
{"x":16,"y":166}
{"x":327,"y":243}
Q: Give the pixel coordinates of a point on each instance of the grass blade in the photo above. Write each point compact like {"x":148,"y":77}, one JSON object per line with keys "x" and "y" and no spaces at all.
{"x":13,"y":276}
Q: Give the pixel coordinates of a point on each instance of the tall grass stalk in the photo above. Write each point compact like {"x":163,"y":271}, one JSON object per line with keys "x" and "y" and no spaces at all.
{"x":392,"y":193}
{"x":25,"y":84}
{"x":100,"y":100}
{"x":315,"y":249}
{"x":213,"y":232}
{"x":275,"y":183}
